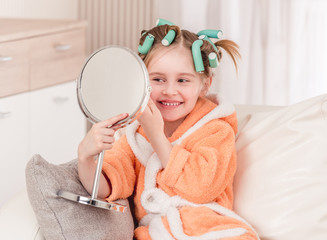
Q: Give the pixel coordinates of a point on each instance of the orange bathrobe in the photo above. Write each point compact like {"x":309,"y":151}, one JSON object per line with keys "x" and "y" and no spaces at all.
{"x":192,"y":197}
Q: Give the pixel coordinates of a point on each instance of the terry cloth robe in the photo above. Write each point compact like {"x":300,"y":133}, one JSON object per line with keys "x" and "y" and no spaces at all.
{"x":192,"y":197}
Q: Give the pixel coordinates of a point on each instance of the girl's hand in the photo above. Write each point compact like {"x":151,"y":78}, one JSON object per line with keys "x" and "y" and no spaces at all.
{"x":151,"y":120}
{"x":153,"y":126}
{"x":99,"y":138}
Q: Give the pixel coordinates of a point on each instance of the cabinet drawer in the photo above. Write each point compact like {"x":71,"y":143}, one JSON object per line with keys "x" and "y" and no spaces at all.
{"x":14,"y":67}
{"x":57,"y":125}
{"x":13,"y":143}
{"x":56,"y":58}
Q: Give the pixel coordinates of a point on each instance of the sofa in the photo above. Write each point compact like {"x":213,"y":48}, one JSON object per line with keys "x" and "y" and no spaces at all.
{"x":281,"y":183}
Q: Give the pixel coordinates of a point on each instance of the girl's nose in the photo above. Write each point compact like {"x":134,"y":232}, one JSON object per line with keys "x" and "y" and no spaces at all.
{"x":170,"y":89}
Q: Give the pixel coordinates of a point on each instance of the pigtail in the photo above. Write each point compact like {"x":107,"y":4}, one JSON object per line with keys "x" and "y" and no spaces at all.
{"x":212,"y":52}
{"x":231,"y":48}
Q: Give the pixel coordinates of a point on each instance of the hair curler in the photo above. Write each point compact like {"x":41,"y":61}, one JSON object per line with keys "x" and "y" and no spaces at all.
{"x":205,"y":37}
{"x":161,"y":21}
{"x":197,"y":57}
{"x":211,"y":33}
{"x":213,"y":60}
{"x":169,"y":38}
{"x":147,"y":44}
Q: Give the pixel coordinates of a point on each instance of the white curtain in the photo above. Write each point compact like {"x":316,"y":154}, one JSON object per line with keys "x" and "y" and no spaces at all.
{"x":283,"y":47}
{"x":282,"y":43}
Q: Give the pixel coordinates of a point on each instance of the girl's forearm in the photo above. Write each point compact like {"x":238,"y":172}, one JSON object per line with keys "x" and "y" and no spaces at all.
{"x":86,"y":172}
{"x":162,"y":147}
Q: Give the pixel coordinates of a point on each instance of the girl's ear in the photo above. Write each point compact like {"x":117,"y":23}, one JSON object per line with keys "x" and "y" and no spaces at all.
{"x":206,"y":85}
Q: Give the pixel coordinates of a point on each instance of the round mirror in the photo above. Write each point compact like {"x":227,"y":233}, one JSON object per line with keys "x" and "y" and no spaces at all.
{"x":114,"y":80}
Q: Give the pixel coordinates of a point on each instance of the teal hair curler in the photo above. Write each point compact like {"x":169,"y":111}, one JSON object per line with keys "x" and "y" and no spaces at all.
{"x":169,"y":38}
{"x":147,"y":44}
{"x":211,"y":33}
{"x":205,"y":37}
{"x":161,"y":21}
{"x":213,"y":60}
{"x":197,"y":57}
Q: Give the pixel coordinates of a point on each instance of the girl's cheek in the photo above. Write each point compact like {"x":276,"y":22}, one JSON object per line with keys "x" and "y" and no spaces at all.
{"x":153,"y":96}
{"x":154,"y":92}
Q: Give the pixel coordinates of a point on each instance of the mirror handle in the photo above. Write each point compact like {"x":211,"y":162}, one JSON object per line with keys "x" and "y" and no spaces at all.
{"x":97,"y":175}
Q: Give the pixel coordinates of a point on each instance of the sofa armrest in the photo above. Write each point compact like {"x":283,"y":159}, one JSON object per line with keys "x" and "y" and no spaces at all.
{"x":244,"y":110}
{"x":17,"y":219}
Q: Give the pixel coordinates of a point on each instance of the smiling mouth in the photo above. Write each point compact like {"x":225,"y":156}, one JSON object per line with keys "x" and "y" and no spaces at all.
{"x":170,"y":103}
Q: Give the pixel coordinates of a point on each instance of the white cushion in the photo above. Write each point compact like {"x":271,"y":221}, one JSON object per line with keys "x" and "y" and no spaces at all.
{"x":281,"y":181}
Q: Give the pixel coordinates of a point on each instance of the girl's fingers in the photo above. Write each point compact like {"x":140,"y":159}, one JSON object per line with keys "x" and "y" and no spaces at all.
{"x":108,"y":140}
{"x":104,"y":146}
{"x":151,"y":105}
{"x":109,"y":122}
{"x":107,"y":146}
{"x":107,"y":131}
{"x":101,"y":136}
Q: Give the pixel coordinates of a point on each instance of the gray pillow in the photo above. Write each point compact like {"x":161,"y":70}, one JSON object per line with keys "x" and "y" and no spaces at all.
{"x":63,"y":219}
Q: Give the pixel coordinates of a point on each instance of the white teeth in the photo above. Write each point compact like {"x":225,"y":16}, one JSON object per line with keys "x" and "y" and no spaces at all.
{"x":170,"y":104}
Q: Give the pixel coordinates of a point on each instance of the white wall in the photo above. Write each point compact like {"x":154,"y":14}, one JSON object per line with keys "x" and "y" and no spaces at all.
{"x":188,"y":14}
{"x":46,"y":9}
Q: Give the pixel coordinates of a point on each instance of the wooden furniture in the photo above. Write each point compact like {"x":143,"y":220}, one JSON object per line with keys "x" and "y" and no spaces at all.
{"x":39,"y":63}
{"x":39,"y":53}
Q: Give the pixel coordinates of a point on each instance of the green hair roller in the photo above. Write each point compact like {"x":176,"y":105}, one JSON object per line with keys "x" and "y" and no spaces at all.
{"x":161,"y":21}
{"x":170,"y":36}
{"x":147,"y":44}
{"x":205,"y":37}
{"x":211,"y":33}
{"x":213,"y":61}
{"x":197,"y":57}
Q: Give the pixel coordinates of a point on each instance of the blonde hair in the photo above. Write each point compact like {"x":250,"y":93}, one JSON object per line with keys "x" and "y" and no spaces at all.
{"x":186,"y":39}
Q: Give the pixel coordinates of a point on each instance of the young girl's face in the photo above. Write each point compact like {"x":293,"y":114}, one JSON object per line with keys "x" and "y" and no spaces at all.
{"x":175,"y":84}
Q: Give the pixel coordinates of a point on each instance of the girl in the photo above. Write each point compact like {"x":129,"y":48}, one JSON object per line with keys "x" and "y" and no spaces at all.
{"x":179,"y":158}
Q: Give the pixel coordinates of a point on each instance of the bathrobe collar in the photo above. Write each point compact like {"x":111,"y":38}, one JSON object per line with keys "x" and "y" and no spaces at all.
{"x":206,"y":109}
{"x":218,"y":108}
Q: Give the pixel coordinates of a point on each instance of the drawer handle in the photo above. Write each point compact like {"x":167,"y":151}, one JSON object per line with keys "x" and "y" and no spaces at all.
{"x":60,"y":100}
{"x":63,"y":47}
{"x":5,"y":59}
{"x":4,"y":115}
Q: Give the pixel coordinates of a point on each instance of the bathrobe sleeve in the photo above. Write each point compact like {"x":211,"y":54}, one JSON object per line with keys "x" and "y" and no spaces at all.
{"x":118,"y":166}
{"x":203,"y":165}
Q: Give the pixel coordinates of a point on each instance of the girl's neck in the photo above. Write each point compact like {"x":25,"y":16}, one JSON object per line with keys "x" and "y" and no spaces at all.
{"x":170,"y":127}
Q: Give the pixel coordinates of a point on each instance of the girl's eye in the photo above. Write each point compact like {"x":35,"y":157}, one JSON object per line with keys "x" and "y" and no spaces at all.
{"x":182,"y":80}
{"x":157,"y":80}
